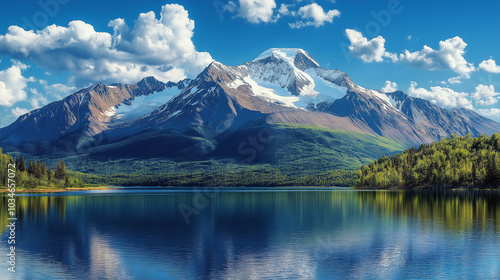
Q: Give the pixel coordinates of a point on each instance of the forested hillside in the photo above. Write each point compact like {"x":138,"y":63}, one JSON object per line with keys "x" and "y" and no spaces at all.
{"x":35,"y":174}
{"x":454,"y":162}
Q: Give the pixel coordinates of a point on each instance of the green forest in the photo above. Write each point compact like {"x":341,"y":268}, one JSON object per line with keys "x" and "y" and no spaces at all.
{"x":454,"y":162}
{"x":253,"y":176}
{"x":297,"y":156}
{"x":35,"y":174}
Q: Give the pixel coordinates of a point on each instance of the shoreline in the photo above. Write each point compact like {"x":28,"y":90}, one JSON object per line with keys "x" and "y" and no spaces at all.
{"x":60,"y":190}
{"x":119,"y":187}
{"x":124,"y":187}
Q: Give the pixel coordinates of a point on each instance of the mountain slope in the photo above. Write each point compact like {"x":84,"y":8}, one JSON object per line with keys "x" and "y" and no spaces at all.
{"x":193,"y":117}
{"x":87,"y":112}
{"x":291,"y":150}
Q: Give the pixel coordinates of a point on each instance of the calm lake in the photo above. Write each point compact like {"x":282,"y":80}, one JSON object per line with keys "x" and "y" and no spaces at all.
{"x":254,"y":233}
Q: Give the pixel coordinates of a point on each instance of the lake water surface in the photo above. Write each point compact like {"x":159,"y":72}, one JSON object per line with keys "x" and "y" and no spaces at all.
{"x":254,"y":233}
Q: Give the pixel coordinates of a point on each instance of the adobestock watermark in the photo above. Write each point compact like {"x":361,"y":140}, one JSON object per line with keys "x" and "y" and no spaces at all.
{"x":48,"y":9}
{"x":220,"y":8}
{"x":254,"y":144}
{"x":84,"y":145}
{"x":486,"y":78}
{"x":88,"y":144}
{"x":325,"y":247}
{"x":201,"y":199}
{"x":380,"y":19}
{"x":11,"y":216}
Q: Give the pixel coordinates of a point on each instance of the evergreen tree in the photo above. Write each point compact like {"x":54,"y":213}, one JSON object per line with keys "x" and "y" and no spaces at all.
{"x":37,"y":175}
{"x":60,"y":172}
{"x":21,"y":166}
{"x":37,"y":169}
{"x":454,"y":162}
{"x":49,"y":174}
{"x":31,"y":167}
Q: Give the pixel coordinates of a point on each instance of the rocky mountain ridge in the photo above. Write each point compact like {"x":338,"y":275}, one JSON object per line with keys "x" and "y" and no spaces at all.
{"x":280,"y":86}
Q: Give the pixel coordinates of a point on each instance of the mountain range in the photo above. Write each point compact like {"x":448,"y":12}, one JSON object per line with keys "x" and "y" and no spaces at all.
{"x":224,"y":106}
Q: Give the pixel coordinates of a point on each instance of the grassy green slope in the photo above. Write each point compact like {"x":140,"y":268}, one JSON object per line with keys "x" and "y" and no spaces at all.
{"x":295,"y":155}
{"x":308,"y":149}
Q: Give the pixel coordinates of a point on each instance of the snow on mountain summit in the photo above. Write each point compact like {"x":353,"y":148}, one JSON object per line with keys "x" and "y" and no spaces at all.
{"x":290,"y":77}
{"x":289,"y":55}
{"x":292,"y":72}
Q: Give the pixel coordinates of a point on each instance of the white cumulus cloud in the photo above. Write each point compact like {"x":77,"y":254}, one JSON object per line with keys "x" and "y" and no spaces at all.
{"x":457,"y":80}
{"x":367,"y":50}
{"x":284,"y":10}
{"x":442,"y":96}
{"x":56,"y":90}
{"x":161,"y":47}
{"x":266,"y":11}
{"x":17,"y":112}
{"x":490,"y":65}
{"x":37,"y":99}
{"x":390,"y":87}
{"x":449,"y":56}
{"x":485,"y":95}
{"x":491,"y":112}
{"x":255,"y":11}
{"x":13,"y":84}
{"x":314,"y":15}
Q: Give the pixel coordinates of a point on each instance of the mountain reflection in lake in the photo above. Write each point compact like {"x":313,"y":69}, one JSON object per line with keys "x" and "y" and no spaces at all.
{"x":254,"y":233}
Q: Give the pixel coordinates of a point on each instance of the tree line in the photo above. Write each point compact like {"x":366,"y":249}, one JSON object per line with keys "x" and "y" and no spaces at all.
{"x":453,"y":162}
{"x":253,"y":176}
{"x":35,"y":174}
{"x":39,"y":169}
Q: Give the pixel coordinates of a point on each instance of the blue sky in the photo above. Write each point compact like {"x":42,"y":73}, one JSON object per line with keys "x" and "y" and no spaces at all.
{"x":446,"y":52}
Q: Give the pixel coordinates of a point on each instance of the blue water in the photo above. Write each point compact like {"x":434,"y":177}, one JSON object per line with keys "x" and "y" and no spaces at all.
{"x":255,"y":233}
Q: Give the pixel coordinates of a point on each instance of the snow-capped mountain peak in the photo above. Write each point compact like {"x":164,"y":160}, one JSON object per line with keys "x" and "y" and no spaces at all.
{"x":280,"y":86}
{"x":286,"y":72}
{"x":292,"y":78}
{"x":293,"y":56}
